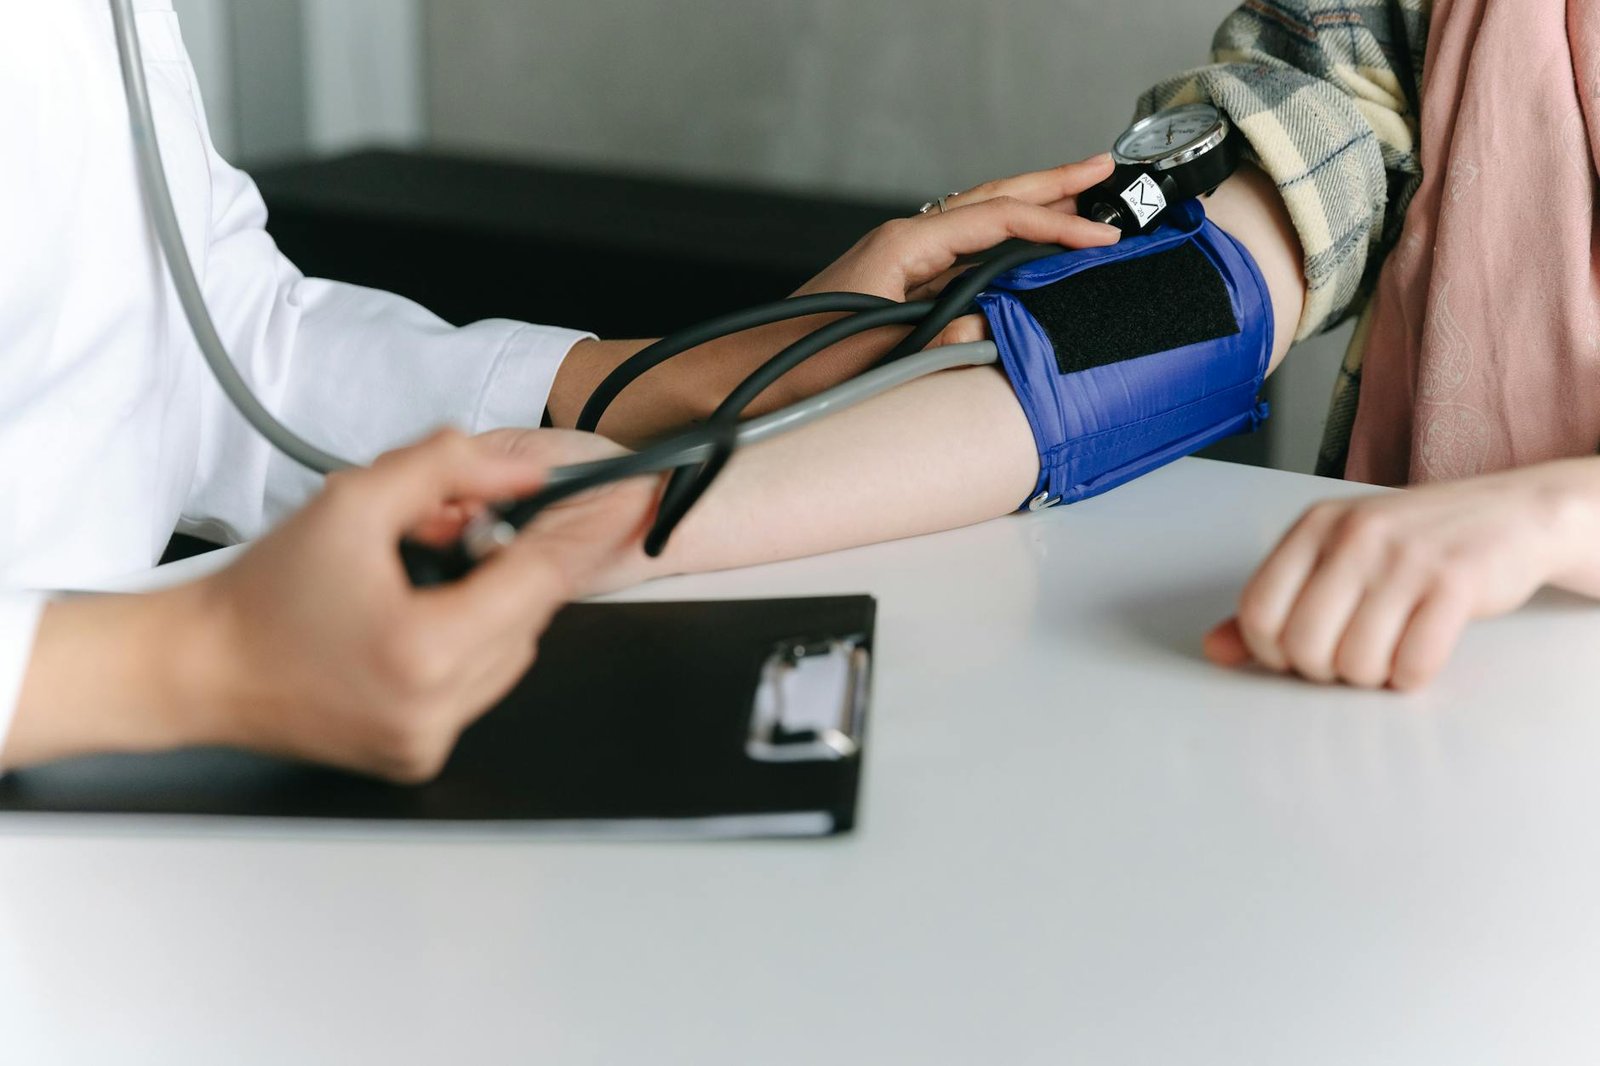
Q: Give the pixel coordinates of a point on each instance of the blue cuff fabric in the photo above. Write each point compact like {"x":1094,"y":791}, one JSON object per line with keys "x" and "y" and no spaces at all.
{"x":1102,"y":427}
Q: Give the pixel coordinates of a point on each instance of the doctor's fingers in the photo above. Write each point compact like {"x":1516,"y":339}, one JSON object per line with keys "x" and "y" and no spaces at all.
{"x":965,"y":330}
{"x":410,"y":741}
{"x":551,"y":447}
{"x":926,"y":248}
{"x":1057,"y":187}
{"x":412,"y":486}
{"x":557,"y":559}
{"x":512,"y":593}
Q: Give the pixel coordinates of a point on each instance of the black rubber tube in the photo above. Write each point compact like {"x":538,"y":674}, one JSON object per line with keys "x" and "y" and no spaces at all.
{"x":642,"y":362}
{"x":958,"y":298}
{"x":686,"y":486}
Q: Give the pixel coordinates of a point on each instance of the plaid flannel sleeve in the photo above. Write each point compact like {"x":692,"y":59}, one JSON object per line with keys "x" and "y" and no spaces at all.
{"x":1325,"y":91}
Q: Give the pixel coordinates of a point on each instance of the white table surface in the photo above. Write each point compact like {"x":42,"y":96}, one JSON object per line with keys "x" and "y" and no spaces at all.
{"x":1078,"y":844}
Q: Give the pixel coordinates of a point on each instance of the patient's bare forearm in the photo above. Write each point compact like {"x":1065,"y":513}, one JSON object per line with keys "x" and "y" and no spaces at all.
{"x":943,"y":452}
{"x":940,"y":453}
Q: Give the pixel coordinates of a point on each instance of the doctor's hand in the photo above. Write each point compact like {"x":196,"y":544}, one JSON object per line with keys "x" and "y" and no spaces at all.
{"x":314,"y":645}
{"x":1376,"y":592}
{"x":332,"y":655}
{"x":914,"y":258}
{"x":903,"y":259}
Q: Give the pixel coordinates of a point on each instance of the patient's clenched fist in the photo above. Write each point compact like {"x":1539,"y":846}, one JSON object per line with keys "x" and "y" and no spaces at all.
{"x":1376,"y":592}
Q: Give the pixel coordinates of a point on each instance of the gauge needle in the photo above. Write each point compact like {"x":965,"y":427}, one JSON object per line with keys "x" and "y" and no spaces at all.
{"x":1169,"y":136}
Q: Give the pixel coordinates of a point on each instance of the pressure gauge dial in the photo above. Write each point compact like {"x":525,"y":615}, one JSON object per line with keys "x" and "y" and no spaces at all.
{"x":1174,"y":155}
{"x":1172,"y":138}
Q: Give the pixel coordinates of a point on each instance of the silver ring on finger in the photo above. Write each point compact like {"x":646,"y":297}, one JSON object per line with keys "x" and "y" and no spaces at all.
{"x":941,"y":203}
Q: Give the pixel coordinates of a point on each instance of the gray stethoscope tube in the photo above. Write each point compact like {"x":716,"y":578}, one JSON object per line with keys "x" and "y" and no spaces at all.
{"x":158,"y":200}
{"x":164,"y":217}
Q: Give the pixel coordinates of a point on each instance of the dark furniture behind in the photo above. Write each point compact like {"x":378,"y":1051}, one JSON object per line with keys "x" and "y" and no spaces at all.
{"x":624,"y":256}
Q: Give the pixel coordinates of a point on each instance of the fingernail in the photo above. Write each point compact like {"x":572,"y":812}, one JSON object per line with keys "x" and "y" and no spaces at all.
{"x":1225,"y":647}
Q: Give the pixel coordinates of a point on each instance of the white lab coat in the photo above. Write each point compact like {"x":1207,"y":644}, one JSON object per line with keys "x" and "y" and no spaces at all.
{"x":112,"y":432}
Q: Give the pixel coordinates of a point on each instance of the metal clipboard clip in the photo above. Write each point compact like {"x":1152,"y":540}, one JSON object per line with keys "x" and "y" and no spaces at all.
{"x":811,"y":701}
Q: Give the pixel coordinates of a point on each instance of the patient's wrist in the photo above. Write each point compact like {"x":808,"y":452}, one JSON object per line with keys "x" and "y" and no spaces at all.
{"x":1568,"y":502}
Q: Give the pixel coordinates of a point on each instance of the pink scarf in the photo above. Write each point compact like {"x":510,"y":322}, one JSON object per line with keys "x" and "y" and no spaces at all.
{"x":1483,"y":351}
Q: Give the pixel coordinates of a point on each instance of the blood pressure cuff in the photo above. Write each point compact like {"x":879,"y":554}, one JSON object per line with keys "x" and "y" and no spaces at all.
{"x":1128,"y":357}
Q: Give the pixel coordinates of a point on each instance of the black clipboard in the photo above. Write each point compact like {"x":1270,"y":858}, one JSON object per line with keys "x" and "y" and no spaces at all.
{"x":713,"y":719}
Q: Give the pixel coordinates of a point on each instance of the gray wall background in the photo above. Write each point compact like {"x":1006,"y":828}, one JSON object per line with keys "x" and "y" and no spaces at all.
{"x":882,"y":97}
{"x":287,"y":78}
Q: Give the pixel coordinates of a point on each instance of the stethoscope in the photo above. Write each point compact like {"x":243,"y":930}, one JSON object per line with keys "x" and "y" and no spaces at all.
{"x":694,"y":457}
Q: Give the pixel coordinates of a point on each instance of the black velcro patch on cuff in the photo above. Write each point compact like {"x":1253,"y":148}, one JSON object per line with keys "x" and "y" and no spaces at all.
{"x":1136,"y":307}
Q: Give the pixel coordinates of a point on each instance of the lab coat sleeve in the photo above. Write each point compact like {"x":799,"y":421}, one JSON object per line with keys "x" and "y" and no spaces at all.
{"x":19,"y":621}
{"x":355,"y":371}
